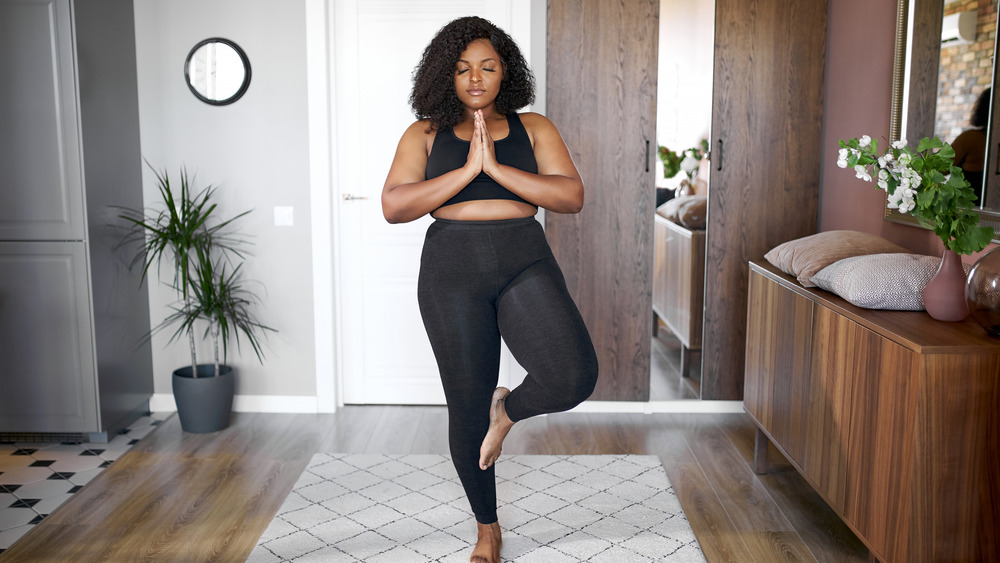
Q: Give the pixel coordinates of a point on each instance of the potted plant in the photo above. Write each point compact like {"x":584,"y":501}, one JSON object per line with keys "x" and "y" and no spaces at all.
{"x":687,"y":161}
{"x":207,"y":277}
{"x":925,"y":183}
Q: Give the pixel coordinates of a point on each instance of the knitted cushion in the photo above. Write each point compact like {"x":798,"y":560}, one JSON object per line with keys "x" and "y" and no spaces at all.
{"x":881,"y":281}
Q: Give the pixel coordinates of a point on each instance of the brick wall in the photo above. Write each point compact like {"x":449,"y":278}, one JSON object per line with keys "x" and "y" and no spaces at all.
{"x":965,"y":70}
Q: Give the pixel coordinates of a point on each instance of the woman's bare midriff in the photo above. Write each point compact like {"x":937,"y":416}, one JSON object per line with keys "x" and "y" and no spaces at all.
{"x":486,"y":210}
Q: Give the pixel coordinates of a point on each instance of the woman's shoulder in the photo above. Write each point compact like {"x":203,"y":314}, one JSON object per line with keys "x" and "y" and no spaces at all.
{"x":420,"y":131}
{"x":421,"y":127}
{"x":532,"y":119}
{"x":539,"y":127}
{"x":970,"y":134}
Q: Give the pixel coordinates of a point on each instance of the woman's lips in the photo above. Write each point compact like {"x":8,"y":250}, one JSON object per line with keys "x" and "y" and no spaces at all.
{"x":475,"y":92}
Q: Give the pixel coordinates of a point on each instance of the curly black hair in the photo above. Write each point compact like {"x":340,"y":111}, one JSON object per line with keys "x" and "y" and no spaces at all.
{"x":433,"y":96}
{"x":981,"y":111}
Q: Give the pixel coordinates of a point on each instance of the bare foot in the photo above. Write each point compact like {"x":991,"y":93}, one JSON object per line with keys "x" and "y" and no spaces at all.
{"x":487,"y":548}
{"x":500,"y":425}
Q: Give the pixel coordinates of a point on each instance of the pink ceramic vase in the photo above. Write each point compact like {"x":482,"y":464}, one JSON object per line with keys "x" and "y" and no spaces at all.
{"x":944,"y":296}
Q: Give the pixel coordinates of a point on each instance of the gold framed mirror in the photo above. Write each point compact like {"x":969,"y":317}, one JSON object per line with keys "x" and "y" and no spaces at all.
{"x":929,"y":47}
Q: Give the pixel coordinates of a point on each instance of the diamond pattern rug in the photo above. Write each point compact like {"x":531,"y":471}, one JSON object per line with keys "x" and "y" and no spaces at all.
{"x":372,"y":508}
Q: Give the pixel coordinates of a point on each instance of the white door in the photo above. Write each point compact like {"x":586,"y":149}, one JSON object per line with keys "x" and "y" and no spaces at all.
{"x":376,"y":44}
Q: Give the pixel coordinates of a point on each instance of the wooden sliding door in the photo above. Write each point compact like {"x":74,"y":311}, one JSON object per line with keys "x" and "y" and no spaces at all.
{"x":767,"y":111}
{"x":602,"y":96}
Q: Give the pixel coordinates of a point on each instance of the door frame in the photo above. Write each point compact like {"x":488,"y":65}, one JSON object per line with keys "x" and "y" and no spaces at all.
{"x":322,"y":163}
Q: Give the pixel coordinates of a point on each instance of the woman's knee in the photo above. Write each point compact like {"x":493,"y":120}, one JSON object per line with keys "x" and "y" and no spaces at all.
{"x":576,"y":384}
{"x":585,"y":382}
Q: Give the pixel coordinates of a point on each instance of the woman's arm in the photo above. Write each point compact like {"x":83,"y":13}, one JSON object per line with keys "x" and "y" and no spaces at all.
{"x":557,"y":186}
{"x":961,"y":148}
{"x":406,"y":195}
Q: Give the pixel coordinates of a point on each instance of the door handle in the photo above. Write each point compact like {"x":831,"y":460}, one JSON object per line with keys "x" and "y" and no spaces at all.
{"x":718,"y":161}
{"x":349,"y":197}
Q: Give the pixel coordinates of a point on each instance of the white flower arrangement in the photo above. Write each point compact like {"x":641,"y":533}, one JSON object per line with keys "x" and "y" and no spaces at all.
{"x":924,"y":183}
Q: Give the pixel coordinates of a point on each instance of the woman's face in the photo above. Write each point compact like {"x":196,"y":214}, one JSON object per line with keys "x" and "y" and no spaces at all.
{"x":478,"y":75}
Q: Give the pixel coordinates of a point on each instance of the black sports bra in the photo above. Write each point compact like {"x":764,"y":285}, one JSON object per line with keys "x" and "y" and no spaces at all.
{"x":450,"y":153}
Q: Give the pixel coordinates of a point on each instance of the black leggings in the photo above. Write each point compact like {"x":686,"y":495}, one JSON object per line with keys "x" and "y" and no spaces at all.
{"x":480,"y":280}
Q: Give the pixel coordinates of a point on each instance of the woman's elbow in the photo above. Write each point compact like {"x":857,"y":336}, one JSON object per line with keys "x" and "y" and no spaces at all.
{"x":576,"y":206}
{"x":574,"y":203}
{"x":393,"y":213}
{"x":395,"y":216}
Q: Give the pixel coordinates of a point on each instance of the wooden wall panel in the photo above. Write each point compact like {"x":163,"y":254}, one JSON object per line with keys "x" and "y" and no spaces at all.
{"x":602,"y":97}
{"x":767,"y":113}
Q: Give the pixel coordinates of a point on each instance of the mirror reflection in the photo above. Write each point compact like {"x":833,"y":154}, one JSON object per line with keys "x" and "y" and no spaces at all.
{"x":965,"y":73}
{"x":684,"y":92}
{"x":217,"y":71}
{"x":943,"y":86}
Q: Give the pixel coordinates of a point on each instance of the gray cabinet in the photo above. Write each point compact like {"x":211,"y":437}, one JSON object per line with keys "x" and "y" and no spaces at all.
{"x":41,"y":187}
{"x":72,"y":360}
{"x":49,"y":381}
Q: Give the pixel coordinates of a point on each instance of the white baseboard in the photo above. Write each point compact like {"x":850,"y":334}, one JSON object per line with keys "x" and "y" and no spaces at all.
{"x":164,"y":402}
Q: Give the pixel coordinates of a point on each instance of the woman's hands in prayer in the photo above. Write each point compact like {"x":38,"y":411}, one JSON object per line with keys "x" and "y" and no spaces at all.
{"x":482,"y":156}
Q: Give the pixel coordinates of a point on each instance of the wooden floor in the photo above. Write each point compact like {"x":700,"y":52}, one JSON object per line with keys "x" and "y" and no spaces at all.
{"x":665,"y":382}
{"x":188,"y":497}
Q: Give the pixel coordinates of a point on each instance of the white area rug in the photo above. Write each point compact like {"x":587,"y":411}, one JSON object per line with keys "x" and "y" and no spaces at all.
{"x":372,"y":508}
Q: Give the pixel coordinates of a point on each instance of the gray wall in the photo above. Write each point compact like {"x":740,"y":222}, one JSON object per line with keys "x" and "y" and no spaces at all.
{"x":255,"y":150}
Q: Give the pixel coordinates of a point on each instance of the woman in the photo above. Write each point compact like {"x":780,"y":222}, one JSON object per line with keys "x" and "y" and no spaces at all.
{"x":970,"y":145}
{"x":482,"y":171}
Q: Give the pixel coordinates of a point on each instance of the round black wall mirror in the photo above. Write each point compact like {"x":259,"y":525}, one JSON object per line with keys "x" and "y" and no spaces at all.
{"x":217,"y":71}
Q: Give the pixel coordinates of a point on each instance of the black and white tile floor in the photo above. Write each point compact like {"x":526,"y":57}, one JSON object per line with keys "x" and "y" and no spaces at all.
{"x":37,"y":477}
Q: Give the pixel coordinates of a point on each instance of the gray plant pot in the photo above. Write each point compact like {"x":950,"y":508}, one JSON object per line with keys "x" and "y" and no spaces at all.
{"x":204,"y":403}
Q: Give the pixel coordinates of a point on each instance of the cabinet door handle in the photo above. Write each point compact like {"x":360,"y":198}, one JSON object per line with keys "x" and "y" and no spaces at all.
{"x":718,"y":157}
{"x":647,"y":155}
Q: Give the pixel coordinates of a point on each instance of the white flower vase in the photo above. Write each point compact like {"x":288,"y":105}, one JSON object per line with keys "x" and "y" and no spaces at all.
{"x":683,"y":189}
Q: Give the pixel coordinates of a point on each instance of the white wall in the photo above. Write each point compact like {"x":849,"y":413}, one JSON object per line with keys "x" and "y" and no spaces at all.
{"x":684,"y":82}
{"x":255,"y":150}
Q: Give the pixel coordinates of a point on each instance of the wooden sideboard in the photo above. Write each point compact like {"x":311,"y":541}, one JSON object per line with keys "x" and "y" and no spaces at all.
{"x":679,"y":283}
{"x":893,"y":417}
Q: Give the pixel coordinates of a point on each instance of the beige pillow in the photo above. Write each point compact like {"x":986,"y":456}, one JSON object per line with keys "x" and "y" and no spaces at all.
{"x":686,"y":210}
{"x":806,"y":256}
{"x":693,"y":212}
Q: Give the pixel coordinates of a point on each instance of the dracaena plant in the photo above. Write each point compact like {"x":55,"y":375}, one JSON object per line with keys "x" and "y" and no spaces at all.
{"x":922,"y":182}
{"x":203,"y":250}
